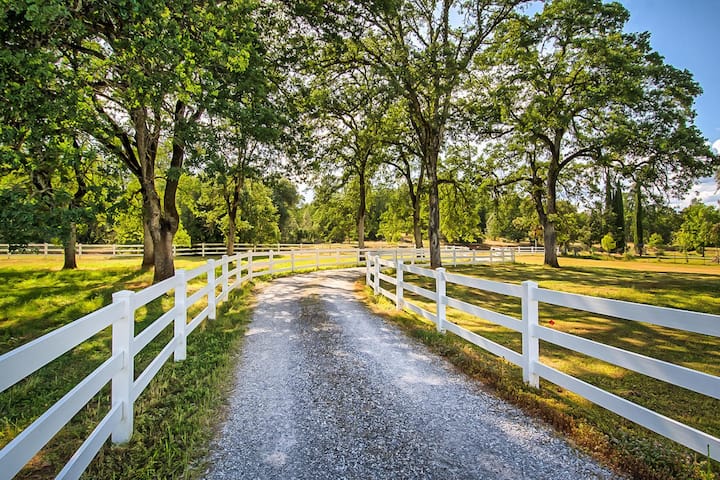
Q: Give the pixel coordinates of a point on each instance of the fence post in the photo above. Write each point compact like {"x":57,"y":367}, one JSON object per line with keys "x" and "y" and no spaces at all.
{"x":250,"y":265}
{"x":270,"y":263}
{"x":202,"y":249}
{"x":45,"y":249}
{"x":399,"y":303}
{"x":530,"y":343}
{"x":440,"y":298}
{"x":512,"y":256}
{"x":368,"y":264}
{"x":292,"y":261}
{"x":454,"y":257}
{"x":238,"y":271}
{"x":123,"y":334}
{"x":80,"y":250}
{"x":376,"y":280}
{"x":225,"y":277}
{"x":180,"y":316}
{"x":212,"y":304}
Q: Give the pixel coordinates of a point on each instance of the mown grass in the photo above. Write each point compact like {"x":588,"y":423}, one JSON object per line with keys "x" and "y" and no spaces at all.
{"x":646,"y":264}
{"x":616,"y":441}
{"x":174,"y":417}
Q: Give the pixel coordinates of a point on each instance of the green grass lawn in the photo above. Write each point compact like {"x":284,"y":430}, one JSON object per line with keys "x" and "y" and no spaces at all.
{"x":617,"y":440}
{"x":174,"y":416}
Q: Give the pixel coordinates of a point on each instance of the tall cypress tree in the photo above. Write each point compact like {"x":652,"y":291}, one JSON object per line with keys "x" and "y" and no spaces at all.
{"x":618,"y":206}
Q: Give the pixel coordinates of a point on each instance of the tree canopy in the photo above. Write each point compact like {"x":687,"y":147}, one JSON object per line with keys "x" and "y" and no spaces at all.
{"x":145,"y":120}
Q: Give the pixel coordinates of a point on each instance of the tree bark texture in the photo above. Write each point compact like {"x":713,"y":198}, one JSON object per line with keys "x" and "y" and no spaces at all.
{"x":544,"y":198}
{"x":148,"y":260}
{"x":417,"y":228}
{"x":362,"y":208}
{"x":70,"y":260}
{"x":431,"y":159}
{"x":232,"y":203}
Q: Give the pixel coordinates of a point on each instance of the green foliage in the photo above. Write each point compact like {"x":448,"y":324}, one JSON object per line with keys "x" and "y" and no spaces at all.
{"x":460,"y":215}
{"x":656,"y":241}
{"x":259,"y":216}
{"x":285,"y":198}
{"x":700,"y":227}
{"x":21,"y":219}
{"x":396,"y":220}
{"x":618,"y":216}
{"x":608,"y":243}
{"x":333,"y":214}
{"x":512,"y":218}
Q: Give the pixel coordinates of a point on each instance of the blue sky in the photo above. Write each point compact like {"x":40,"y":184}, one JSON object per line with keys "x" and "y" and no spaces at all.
{"x":687,"y":34}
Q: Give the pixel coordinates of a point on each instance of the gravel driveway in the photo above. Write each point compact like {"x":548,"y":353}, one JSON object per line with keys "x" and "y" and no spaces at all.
{"x":326,"y":390}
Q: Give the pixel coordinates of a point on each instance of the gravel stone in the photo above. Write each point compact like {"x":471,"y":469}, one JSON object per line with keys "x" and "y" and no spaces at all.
{"x":326,"y":390}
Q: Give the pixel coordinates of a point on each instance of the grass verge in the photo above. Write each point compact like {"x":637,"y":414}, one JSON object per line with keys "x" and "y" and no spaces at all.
{"x":615,"y":441}
{"x":174,"y":416}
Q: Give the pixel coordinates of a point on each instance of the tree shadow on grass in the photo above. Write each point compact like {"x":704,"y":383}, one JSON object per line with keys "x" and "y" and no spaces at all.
{"x":36,"y":302}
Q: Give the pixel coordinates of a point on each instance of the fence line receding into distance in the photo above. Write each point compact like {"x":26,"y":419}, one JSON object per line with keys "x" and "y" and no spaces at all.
{"x":216,"y":278}
{"x":379,"y":271}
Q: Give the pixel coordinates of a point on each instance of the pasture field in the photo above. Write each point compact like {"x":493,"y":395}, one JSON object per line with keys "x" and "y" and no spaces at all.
{"x":613,"y":439}
{"x":174,"y":416}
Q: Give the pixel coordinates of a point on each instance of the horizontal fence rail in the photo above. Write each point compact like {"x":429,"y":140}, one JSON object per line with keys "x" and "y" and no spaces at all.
{"x":210,"y":284}
{"x":462,"y":254}
{"x":531,"y":296}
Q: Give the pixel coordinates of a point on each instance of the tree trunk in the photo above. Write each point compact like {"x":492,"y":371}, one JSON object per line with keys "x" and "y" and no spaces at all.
{"x":361,"y":232}
{"x":232,"y":203}
{"x":550,"y":240}
{"x":417,"y":228}
{"x":162,"y":232}
{"x":164,"y":261}
{"x":167,"y":215}
{"x":161,"y":226}
{"x":361,"y":210}
{"x":148,"y":260}
{"x":230,"y":245}
{"x":545,"y":200}
{"x":69,"y":249}
{"x":638,"y":230}
{"x":431,"y":152}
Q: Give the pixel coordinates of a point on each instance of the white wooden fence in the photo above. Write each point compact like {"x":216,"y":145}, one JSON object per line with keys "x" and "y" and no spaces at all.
{"x":218,"y":278}
{"x":529,"y":360}
{"x":218,"y":249}
{"x":136,"y":250}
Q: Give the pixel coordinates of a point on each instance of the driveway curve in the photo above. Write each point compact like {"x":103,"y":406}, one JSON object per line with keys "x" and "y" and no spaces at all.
{"x":326,"y":390}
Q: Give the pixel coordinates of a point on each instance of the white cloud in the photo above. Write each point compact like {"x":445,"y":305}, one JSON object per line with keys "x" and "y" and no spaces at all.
{"x":716,"y":145}
{"x":706,"y":190}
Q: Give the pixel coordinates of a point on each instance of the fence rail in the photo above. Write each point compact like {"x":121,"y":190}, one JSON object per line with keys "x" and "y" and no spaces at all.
{"x":136,"y":250}
{"x":531,"y":297}
{"x":219,"y":249}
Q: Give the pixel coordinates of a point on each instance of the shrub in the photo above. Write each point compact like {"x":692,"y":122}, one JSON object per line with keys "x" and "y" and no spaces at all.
{"x":608,"y":243}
